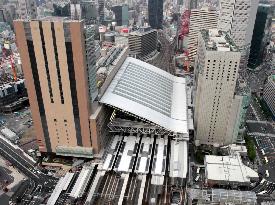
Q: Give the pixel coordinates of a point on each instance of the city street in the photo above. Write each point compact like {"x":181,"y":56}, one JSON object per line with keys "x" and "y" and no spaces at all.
{"x":257,"y":77}
{"x":255,"y":111}
{"x":266,"y":151}
{"x":23,"y":163}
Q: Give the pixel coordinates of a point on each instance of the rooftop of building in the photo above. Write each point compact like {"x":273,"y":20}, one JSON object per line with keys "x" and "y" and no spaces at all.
{"x":61,"y":3}
{"x":242,"y":88}
{"x":142,"y":30}
{"x":108,"y":65}
{"x":216,"y":40}
{"x":228,"y":168}
{"x":149,"y":93}
{"x":51,"y":19}
{"x":223,"y":196}
{"x":179,"y":159}
{"x":265,"y":5}
{"x":11,"y":83}
{"x":205,"y":8}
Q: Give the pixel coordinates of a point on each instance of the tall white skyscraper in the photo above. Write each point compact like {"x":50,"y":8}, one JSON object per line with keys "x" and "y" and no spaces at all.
{"x":216,"y":71}
{"x":237,"y":17}
{"x":204,"y":18}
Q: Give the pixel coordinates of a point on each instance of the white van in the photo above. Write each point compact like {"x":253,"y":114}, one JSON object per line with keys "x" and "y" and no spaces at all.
{"x":266,"y":160}
{"x":198,"y":170}
{"x":266,"y":173}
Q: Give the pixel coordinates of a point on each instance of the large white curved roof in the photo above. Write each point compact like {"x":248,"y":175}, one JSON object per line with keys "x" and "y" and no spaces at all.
{"x":150,"y":93}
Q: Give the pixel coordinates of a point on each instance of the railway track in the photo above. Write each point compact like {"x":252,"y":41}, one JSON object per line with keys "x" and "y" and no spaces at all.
{"x":164,"y":59}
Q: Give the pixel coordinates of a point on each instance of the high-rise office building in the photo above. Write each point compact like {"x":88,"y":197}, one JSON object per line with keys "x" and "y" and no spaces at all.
{"x":260,"y":35}
{"x":84,"y":9}
{"x":121,"y":14}
{"x":2,"y":15}
{"x":10,"y":12}
{"x":204,"y":18}
{"x":142,"y":42}
{"x":269,"y":94}
{"x":216,"y":71}
{"x":27,"y":9}
{"x":101,"y":10}
{"x":89,"y":11}
{"x":155,"y":13}
{"x":60,"y":75}
{"x":61,"y":8}
{"x":237,"y":17}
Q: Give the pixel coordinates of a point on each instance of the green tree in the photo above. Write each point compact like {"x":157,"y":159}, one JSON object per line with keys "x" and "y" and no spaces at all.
{"x":251,"y":149}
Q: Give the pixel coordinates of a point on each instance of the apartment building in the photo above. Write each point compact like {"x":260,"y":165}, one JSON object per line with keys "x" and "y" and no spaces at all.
{"x":237,"y":17}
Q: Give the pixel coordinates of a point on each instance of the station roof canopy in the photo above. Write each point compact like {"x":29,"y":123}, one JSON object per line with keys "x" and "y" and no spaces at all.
{"x":150,"y":93}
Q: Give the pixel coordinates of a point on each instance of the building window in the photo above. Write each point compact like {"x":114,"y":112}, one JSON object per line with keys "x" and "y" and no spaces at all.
{"x":39,"y":94}
{"x":71,"y":72}
{"x":57,"y":64}
{"x":46,"y":62}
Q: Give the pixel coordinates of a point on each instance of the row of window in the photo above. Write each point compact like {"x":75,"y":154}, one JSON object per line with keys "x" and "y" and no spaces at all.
{"x":57,"y":64}
{"x":46,"y":62}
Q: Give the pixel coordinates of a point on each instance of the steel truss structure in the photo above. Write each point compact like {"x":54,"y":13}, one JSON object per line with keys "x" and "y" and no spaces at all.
{"x":128,"y":126}
{"x":121,"y":125}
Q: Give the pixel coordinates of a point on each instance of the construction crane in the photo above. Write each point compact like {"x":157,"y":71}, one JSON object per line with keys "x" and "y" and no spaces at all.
{"x":10,"y":59}
{"x":184,"y":31}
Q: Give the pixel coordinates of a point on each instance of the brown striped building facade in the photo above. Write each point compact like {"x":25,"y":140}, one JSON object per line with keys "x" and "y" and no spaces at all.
{"x":53,"y":54}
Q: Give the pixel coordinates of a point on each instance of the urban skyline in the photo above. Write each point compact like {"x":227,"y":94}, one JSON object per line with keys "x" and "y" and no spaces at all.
{"x":137,"y":102}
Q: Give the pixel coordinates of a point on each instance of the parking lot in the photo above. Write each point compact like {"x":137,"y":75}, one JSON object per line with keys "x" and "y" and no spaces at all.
{"x":266,"y":150}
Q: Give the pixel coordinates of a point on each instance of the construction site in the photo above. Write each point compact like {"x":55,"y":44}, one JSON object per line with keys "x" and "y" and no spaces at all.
{"x":13,"y":93}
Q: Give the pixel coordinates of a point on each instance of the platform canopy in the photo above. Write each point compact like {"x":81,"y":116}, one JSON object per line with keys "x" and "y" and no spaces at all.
{"x":150,"y":93}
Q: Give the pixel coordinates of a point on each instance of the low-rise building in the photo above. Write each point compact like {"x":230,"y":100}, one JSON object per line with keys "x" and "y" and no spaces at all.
{"x":221,"y":196}
{"x":228,"y":170}
{"x":12,"y":95}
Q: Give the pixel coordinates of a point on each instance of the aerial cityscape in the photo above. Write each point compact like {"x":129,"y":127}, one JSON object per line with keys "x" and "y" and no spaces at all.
{"x":137,"y":102}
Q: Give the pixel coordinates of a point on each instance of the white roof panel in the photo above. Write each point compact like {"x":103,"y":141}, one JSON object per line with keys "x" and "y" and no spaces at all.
{"x":150,"y":93}
{"x":81,"y":182}
{"x":57,"y":191}
{"x":228,"y":168}
{"x":68,"y":178}
{"x":159,"y":157}
{"x":126,"y":159}
{"x":107,"y":162}
{"x":124,"y":163}
{"x":142,"y":165}
{"x":114,"y":142}
{"x":179,"y":156}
